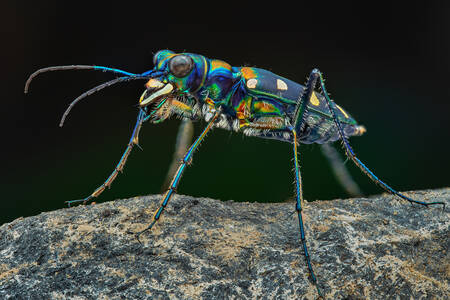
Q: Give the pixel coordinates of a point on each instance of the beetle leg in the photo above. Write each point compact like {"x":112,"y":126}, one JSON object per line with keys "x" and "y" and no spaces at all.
{"x":340,"y":171}
{"x":119,"y":167}
{"x":300,"y":110}
{"x":176,"y":179}
{"x":298,"y":208}
{"x":184,"y":139}
{"x":349,"y":151}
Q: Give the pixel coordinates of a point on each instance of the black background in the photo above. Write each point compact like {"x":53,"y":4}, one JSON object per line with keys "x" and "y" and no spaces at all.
{"x":388,"y":66}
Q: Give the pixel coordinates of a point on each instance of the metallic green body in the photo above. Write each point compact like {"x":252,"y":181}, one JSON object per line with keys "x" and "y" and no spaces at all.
{"x":255,"y":101}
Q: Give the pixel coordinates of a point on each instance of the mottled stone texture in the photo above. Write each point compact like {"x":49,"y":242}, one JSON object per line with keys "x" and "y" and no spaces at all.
{"x":367,"y":248}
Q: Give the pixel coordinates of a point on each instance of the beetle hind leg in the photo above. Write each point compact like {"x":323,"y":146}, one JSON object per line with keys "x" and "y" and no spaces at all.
{"x":351,"y":154}
{"x":298,"y":208}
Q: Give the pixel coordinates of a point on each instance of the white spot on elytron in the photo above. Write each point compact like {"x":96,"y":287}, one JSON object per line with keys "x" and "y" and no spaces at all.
{"x":281,"y":85}
{"x":251,"y":83}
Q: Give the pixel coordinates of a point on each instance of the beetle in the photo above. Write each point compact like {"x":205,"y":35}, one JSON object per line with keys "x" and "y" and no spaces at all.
{"x":250,"y":100}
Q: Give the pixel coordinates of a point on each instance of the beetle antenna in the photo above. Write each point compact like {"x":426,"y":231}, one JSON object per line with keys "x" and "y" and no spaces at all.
{"x":76,"y":67}
{"x":96,"y":89}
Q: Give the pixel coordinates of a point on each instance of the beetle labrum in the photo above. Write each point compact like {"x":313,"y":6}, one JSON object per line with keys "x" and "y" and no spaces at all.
{"x":250,"y":100}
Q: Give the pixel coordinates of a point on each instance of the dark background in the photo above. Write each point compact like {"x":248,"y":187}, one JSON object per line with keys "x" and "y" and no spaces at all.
{"x":388,"y":66}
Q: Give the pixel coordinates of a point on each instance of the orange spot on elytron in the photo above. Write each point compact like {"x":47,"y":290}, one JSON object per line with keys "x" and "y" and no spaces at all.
{"x":248,"y":72}
{"x":216,"y":64}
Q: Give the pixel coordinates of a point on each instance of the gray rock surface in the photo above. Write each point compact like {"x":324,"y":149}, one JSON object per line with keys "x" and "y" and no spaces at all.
{"x":365,"y":248}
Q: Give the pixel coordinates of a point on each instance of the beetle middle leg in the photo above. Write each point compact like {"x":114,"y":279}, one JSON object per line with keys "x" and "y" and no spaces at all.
{"x":279,"y":127}
{"x":176,"y":179}
{"x":119,"y":167}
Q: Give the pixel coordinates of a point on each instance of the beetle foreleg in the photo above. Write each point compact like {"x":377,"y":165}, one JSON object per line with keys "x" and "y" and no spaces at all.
{"x":349,"y":151}
{"x":96,"y":89}
{"x":133,"y":141}
{"x":176,"y":178}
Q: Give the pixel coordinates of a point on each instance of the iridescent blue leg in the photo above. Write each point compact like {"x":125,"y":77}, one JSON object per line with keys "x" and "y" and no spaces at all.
{"x":133,"y":141}
{"x":176,"y":179}
{"x":301,"y":109}
{"x":298,"y":121}
{"x":349,"y":151}
{"x":298,"y":208}
{"x":331,"y":154}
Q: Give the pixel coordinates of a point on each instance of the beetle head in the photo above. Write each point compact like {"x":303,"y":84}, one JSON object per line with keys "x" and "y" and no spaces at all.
{"x":182,"y":73}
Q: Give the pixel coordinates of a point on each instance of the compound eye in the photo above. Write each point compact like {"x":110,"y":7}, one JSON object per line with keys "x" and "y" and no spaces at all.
{"x":181,"y":65}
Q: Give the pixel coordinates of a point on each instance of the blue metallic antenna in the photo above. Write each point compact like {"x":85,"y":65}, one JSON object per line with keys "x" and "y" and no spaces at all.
{"x":96,"y":89}
{"x":78,"y":67}
{"x":129,"y":76}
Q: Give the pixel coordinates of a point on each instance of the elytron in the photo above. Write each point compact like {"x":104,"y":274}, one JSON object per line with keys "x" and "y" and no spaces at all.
{"x":250,"y":100}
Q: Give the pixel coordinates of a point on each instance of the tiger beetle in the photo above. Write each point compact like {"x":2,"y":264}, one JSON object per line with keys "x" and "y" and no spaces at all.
{"x":250,"y":100}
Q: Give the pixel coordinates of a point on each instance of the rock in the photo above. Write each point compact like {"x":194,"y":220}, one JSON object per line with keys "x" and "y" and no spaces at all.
{"x":370,"y":248}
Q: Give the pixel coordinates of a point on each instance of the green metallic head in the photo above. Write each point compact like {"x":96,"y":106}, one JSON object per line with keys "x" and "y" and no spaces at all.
{"x":183,"y":73}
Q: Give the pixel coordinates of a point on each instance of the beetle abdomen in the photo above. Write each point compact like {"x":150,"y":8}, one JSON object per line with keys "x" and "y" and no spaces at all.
{"x":321,"y":130}
{"x":284,"y":95}
{"x":262,"y":83}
